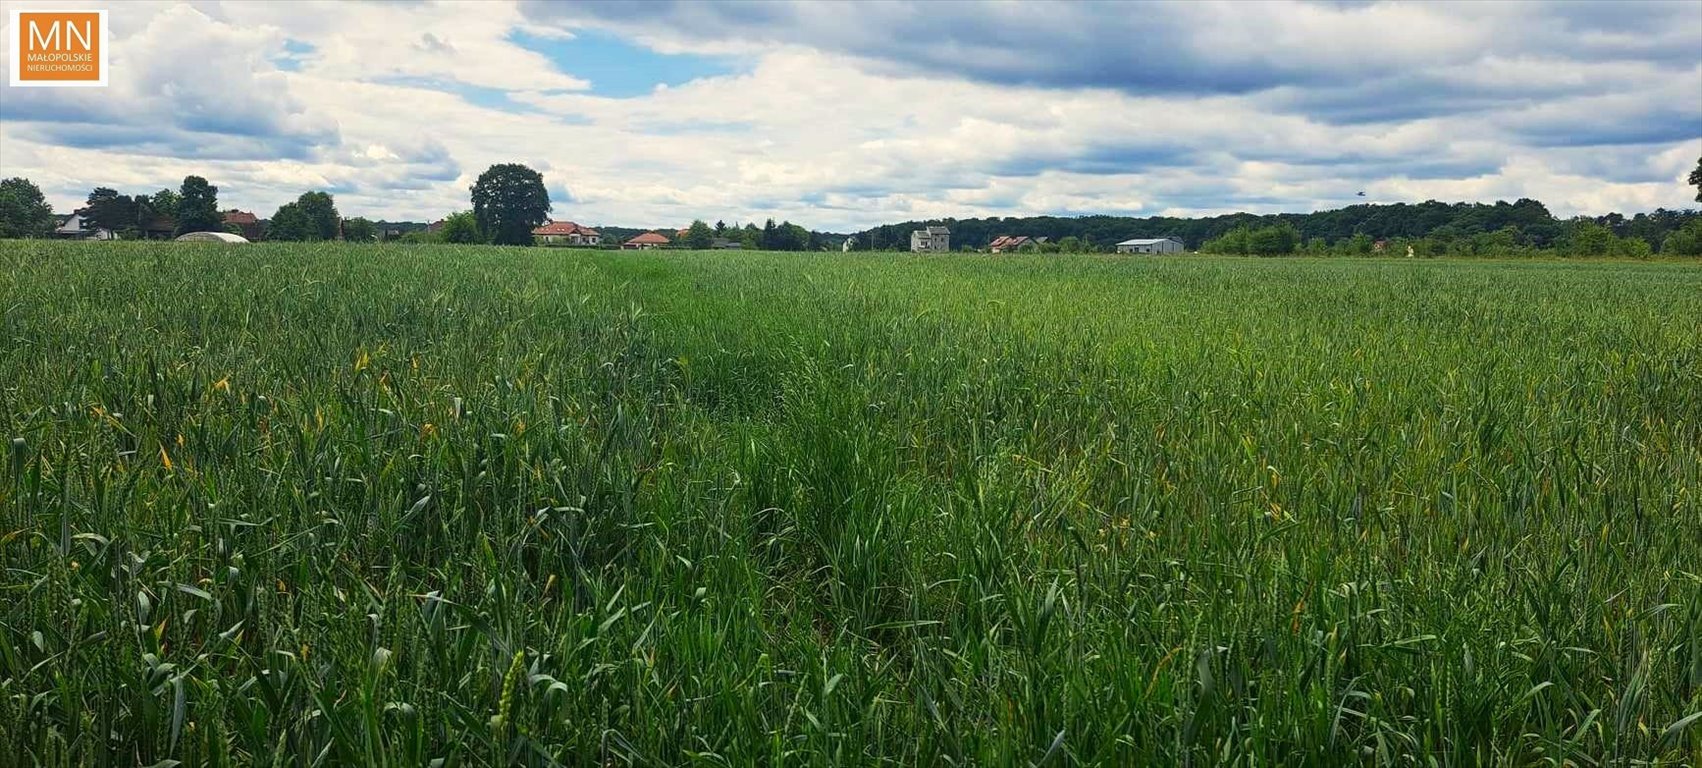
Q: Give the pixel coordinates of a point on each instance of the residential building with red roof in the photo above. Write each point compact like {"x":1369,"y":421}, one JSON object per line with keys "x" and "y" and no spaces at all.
{"x":1012,"y":243}
{"x":567,"y":233}
{"x":645,"y":241}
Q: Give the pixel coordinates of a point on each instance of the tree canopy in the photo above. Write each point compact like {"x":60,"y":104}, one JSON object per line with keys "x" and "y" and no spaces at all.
{"x":463,"y":227}
{"x":198,"y":207}
{"x":24,"y":211}
{"x":699,"y":237}
{"x":109,"y":210}
{"x":163,"y":202}
{"x":292,"y":224}
{"x":313,"y":216}
{"x":321,"y":209}
{"x":359,"y":230}
{"x":131,"y":216}
{"x":509,"y":201}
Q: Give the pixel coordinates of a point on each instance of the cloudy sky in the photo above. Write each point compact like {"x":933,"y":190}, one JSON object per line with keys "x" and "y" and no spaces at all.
{"x":840,"y":116}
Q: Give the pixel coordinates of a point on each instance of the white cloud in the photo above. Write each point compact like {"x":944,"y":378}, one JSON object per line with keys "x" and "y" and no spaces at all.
{"x":396,"y":108}
{"x":458,"y":42}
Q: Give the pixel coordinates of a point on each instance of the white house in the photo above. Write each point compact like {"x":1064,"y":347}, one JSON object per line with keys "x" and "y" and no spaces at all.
{"x":78,"y":227}
{"x":930,"y":239}
{"x":1151,"y":245}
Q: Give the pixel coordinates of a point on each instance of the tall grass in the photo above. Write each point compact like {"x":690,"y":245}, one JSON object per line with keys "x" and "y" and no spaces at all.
{"x":325,"y":505}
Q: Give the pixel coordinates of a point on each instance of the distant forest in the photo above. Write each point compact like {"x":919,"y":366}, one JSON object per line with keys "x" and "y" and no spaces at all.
{"x":1527,"y":223}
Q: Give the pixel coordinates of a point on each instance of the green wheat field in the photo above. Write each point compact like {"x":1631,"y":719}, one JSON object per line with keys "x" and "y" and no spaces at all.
{"x":405,"y":506}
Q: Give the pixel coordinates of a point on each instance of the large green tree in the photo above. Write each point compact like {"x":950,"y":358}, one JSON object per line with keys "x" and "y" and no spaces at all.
{"x":163,"y":202}
{"x":509,"y":201}
{"x":313,"y":216}
{"x":109,"y":210}
{"x":359,"y":230}
{"x":699,"y":237}
{"x":24,"y":211}
{"x":198,"y":207}
{"x":1696,"y":179}
{"x":791,"y":237}
{"x":322,"y":210}
{"x":292,"y":224}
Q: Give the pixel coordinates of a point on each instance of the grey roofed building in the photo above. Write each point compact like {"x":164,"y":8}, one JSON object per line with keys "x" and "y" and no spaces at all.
{"x":1150,"y":245}
{"x":934,"y":238}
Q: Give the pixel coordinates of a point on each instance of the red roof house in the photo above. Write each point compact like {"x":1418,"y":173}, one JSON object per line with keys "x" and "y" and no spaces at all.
{"x":245,"y":221}
{"x":568,"y":233}
{"x":1009,"y":243}
{"x":646,"y":241}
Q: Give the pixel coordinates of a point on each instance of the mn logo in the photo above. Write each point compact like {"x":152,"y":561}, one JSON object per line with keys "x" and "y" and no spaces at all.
{"x":58,"y":48}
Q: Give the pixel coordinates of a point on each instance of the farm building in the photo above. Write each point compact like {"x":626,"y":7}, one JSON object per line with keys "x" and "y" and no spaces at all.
{"x":567,"y":233}
{"x":1013,"y":243}
{"x":1151,"y":245}
{"x":250,"y":224}
{"x":645,"y":242}
{"x":930,"y":239}
{"x":78,"y":227}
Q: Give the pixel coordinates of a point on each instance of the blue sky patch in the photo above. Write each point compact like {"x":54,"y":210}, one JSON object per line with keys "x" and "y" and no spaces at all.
{"x":294,"y":52}
{"x":617,"y":68}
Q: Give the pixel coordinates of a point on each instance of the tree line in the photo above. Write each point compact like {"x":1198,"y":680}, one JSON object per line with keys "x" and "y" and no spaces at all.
{"x":509,"y":200}
{"x":1433,"y":228}
{"x":784,"y":236}
{"x":1578,"y":237}
{"x":192,"y":207}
